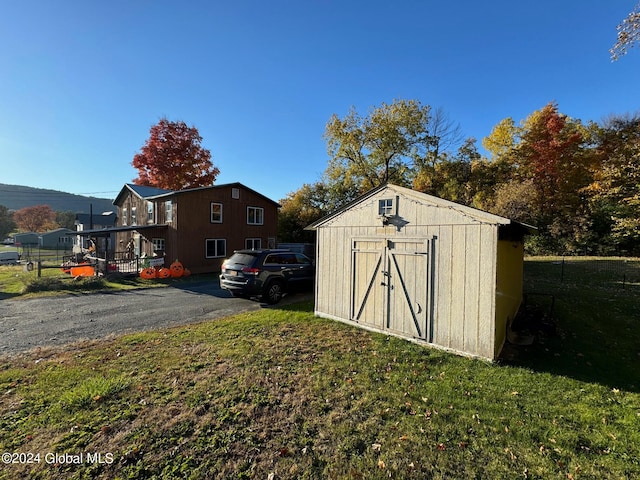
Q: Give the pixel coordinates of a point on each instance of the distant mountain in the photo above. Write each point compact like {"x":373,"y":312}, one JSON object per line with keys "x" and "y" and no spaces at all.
{"x":15,"y":197}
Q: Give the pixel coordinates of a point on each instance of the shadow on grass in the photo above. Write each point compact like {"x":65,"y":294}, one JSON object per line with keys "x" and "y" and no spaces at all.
{"x":296,"y":302}
{"x":7,"y":296}
{"x":596,"y":337}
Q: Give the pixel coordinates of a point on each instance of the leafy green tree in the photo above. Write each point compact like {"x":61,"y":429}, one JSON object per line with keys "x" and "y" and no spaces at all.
{"x":451,"y":177}
{"x":617,"y":183}
{"x":299,"y":209}
{"x":514,"y":200}
{"x":7,"y":225}
{"x":66,"y":220}
{"x":382,"y":147}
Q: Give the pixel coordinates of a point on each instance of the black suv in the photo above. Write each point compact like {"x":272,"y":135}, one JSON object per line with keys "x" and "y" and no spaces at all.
{"x":266,"y":273}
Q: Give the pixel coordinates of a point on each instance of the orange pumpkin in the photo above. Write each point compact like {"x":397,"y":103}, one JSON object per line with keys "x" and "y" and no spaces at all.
{"x":177,"y":269}
{"x":164,"y":272}
{"x":82,"y":271}
{"x":186,"y":272}
{"x":148,"y":273}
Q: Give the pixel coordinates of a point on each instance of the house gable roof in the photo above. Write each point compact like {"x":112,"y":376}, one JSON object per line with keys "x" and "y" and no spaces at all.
{"x":141,"y":191}
{"x":153,"y":193}
{"x":479,"y":215}
{"x":213,"y":187}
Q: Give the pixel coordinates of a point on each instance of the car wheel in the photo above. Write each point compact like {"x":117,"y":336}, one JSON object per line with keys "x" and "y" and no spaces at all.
{"x":273,"y":293}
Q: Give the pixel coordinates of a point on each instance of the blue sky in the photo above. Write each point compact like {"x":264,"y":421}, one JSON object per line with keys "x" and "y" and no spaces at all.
{"x":81,"y":82}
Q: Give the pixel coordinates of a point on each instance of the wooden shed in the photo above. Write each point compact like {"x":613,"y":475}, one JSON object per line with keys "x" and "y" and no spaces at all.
{"x":413,"y":265}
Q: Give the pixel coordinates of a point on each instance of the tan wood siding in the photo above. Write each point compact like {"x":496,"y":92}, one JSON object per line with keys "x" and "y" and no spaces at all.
{"x":487,"y":294}
{"x":464,"y":275}
{"x":455,"y":290}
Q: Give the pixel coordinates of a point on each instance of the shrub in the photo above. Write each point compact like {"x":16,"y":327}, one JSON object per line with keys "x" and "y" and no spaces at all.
{"x":53,"y":284}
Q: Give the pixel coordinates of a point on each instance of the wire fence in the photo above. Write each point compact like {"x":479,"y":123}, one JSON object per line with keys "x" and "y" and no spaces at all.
{"x":610,"y":272}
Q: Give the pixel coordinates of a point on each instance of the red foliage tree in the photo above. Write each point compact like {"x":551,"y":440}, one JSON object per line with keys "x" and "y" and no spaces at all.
{"x":553,"y":153}
{"x":173,"y":158}
{"x":39,"y":218}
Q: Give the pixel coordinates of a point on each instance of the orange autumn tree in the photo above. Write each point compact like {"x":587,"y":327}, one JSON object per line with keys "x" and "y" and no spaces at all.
{"x":39,"y":218}
{"x":173,"y":158}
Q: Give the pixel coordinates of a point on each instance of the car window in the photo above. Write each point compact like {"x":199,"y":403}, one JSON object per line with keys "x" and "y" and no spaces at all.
{"x":241,"y":259}
{"x":280,"y":259}
{"x":273,"y":259}
{"x":288,"y":259}
{"x":302,"y":260}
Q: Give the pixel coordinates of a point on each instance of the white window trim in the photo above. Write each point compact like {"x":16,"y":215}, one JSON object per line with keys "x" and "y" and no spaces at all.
{"x":158,"y":242}
{"x":217,"y":254}
{"x":255,"y":209}
{"x":151,"y":212}
{"x":253,"y":241}
{"x":125,"y":216}
{"x":211,"y":212}
{"x":168,"y":211}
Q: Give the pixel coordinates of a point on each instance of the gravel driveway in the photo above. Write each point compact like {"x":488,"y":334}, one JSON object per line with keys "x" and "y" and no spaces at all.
{"x":39,"y":322}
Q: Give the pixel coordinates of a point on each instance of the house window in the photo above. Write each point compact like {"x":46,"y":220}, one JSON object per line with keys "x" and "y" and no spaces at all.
{"x":253,"y":243}
{"x":158,"y":244}
{"x":385,"y":206}
{"x":235,"y":193}
{"x":134,"y":215}
{"x":216,"y":212}
{"x":150,"y":211}
{"x":215,"y":247}
{"x":255,"y":215}
{"x":125,"y":216}
{"x":168,"y":211}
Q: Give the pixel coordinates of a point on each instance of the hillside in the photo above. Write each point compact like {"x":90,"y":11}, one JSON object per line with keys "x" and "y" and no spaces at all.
{"x":15,"y":197}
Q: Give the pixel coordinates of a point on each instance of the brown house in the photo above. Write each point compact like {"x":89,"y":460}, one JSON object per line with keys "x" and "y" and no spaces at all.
{"x":198,"y":226}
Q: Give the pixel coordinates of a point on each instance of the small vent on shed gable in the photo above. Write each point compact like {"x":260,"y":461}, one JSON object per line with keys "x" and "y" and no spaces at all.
{"x":235,"y":193}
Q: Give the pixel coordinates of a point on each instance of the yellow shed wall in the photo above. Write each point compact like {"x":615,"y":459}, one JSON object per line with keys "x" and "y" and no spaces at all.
{"x":509,"y":284}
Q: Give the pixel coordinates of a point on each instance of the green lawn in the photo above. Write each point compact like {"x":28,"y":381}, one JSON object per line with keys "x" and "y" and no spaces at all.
{"x":598,"y":320}
{"x":279,"y":392}
{"x":16,"y":281}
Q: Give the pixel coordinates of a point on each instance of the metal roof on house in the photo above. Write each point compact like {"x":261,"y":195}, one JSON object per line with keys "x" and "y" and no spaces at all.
{"x":215,"y":187}
{"x":97,"y":218}
{"x":142,"y":191}
{"x":152,"y":193}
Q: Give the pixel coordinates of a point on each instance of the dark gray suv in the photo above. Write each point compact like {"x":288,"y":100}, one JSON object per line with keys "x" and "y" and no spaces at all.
{"x":266,"y":273}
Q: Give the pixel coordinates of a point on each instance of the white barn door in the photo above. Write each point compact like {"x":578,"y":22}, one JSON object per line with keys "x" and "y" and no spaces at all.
{"x":391,"y":286}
